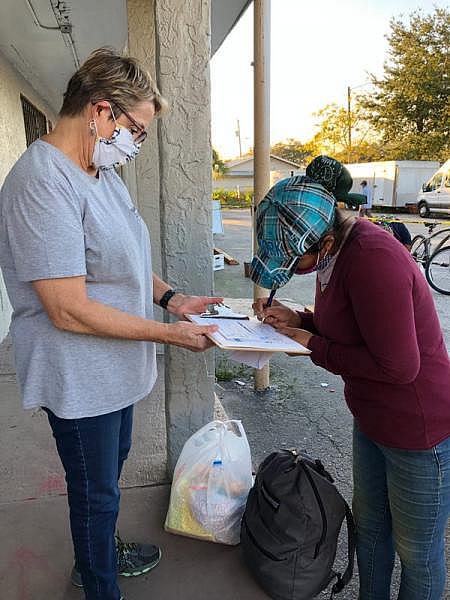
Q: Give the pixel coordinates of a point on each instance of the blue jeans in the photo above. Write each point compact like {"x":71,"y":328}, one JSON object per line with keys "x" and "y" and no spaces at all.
{"x":92,"y":451}
{"x":401,"y":504}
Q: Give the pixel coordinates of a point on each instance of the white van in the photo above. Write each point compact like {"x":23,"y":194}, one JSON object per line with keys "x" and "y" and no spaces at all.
{"x":435,"y":194}
{"x":394,"y":182}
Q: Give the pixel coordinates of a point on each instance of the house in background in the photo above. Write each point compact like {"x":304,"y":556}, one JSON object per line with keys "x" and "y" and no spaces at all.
{"x":239,"y":175}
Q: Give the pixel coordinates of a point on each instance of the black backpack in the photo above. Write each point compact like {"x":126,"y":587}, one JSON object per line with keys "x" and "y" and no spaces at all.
{"x":291,"y":525}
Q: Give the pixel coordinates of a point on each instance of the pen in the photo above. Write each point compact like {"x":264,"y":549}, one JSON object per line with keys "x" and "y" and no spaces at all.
{"x":269,"y":301}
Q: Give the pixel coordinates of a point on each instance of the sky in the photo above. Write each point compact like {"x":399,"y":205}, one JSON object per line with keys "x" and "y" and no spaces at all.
{"x":318,"y":48}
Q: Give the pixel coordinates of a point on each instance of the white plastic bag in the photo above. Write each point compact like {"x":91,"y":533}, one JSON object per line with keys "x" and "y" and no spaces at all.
{"x":211,"y":482}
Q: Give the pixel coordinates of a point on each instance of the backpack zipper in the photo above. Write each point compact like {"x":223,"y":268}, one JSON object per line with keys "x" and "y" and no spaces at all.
{"x":321,"y":508}
{"x":273,"y":502}
{"x":255,"y":543}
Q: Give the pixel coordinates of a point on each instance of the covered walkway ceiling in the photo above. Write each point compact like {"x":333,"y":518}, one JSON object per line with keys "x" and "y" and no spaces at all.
{"x":45,"y":40}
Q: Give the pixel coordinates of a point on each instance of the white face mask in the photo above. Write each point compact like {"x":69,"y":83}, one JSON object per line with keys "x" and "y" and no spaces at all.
{"x":119,"y":149}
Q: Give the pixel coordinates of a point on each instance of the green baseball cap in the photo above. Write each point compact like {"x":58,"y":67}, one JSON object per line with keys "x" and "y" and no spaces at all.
{"x":335,"y":178}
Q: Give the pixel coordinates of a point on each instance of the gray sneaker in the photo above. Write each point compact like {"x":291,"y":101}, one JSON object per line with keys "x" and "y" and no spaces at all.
{"x":132,"y":560}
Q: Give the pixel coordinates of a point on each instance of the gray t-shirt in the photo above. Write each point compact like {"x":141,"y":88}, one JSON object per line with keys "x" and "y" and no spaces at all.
{"x":58,"y":221}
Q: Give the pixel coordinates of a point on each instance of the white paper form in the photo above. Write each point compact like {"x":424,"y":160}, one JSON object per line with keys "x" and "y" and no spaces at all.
{"x":251,"y":358}
{"x":250,"y":334}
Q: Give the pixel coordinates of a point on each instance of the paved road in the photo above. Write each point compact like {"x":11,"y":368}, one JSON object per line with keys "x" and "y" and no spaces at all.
{"x":298,"y":411}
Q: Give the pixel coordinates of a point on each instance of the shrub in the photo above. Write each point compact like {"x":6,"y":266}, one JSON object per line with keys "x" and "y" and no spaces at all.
{"x":231,"y":199}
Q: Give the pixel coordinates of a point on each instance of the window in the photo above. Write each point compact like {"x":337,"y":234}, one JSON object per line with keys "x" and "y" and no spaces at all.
{"x":35,"y":121}
{"x":434,"y":183}
{"x":447,"y":181}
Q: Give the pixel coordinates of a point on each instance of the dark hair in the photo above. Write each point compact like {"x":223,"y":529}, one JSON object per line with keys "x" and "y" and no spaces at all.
{"x":363,"y":182}
{"x":336,"y":230}
{"x":108,"y":75}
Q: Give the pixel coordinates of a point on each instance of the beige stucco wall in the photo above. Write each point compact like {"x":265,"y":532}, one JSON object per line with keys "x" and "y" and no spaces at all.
{"x":171,"y":180}
{"x":12,"y":134}
{"x":183,"y":53}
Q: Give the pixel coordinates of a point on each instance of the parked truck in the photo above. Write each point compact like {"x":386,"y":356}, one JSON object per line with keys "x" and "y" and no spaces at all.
{"x":395,"y":183}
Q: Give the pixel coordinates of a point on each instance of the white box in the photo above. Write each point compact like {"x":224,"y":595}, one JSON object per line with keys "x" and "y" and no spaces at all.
{"x":218,"y":262}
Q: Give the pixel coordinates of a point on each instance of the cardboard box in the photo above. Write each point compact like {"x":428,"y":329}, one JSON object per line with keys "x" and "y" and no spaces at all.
{"x":218,"y":262}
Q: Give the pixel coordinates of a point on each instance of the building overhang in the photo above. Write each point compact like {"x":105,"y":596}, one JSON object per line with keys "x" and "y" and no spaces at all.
{"x":224,"y":16}
{"x":46,"y":40}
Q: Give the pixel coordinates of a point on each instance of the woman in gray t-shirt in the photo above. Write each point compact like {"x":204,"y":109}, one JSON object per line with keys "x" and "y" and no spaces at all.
{"x":76,"y":260}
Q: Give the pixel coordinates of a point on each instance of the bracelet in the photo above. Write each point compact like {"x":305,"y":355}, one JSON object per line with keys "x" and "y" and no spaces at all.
{"x":164,"y":300}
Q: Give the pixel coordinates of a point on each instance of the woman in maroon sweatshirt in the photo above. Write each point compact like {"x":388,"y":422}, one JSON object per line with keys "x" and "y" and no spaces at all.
{"x":376,"y":326}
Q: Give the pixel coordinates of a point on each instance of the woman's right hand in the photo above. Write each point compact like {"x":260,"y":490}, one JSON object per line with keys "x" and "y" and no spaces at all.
{"x":259,"y":305}
{"x":277,"y":315}
{"x":190,"y":336}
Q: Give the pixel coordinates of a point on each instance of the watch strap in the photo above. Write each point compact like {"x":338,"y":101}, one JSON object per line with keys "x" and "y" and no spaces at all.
{"x":165,"y":298}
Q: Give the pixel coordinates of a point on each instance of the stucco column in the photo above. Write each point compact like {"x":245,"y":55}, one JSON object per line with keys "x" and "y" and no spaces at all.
{"x":183,"y":53}
{"x":142,"y":176}
{"x":174,"y":187}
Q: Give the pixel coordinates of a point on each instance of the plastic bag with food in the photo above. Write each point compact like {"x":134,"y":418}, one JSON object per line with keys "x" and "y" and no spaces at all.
{"x":211,"y":482}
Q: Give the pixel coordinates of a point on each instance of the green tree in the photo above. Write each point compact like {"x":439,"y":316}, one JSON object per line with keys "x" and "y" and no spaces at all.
{"x":411,"y":103}
{"x":332,"y":135}
{"x":218,"y":166}
{"x":292,"y":150}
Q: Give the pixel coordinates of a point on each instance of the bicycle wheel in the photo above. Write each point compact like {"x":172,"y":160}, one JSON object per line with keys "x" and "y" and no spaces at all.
{"x":437,"y":270}
{"x":418,"y":248}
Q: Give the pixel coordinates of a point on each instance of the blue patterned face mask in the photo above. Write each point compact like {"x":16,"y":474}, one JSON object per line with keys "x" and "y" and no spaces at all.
{"x":319,"y":266}
{"x":324,"y":262}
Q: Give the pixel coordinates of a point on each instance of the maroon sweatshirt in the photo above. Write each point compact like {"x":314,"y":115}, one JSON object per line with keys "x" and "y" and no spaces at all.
{"x":375,"y":324}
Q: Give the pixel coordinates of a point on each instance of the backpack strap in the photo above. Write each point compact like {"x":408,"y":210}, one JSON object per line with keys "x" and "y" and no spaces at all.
{"x":342,"y":580}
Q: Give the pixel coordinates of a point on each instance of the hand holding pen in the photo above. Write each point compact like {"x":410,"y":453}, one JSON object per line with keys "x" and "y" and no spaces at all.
{"x":270,"y":299}
{"x":261,"y":304}
{"x":276,"y":314}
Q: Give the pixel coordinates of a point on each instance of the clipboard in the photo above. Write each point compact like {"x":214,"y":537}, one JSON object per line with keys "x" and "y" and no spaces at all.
{"x":221,"y":311}
{"x":249,"y":335}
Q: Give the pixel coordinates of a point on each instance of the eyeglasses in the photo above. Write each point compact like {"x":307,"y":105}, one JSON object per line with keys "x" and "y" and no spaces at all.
{"x":141,"y":133}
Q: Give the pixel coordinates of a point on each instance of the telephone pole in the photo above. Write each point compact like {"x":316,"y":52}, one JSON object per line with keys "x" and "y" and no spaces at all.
{"x":349,"y":116}
{"x":349,"y":123}
{"x":238,"y":135}
{"x":261,"y":136}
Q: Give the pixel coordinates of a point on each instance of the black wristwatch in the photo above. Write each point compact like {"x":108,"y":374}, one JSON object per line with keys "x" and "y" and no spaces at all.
{"x":164,"y":300}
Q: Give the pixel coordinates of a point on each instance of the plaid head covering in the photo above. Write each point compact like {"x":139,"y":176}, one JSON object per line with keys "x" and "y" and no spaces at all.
{"x":335,"y":178}
{"x":292,"y":217}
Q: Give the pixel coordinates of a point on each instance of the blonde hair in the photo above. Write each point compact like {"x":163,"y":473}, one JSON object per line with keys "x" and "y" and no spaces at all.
{"x":108,"y":75}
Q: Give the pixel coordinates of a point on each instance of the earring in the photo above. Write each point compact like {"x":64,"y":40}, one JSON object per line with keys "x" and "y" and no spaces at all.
{"x":93,"y":127}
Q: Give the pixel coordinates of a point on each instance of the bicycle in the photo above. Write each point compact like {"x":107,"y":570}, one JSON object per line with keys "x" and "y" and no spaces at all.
{"x":435,"y":260}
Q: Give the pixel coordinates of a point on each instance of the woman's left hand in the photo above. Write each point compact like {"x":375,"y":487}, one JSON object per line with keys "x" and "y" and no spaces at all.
{"x":181,"y":305}
{"x":299,"y":335}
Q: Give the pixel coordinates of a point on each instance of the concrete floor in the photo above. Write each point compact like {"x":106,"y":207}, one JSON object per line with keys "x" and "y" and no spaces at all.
{"x":36,"y":554}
